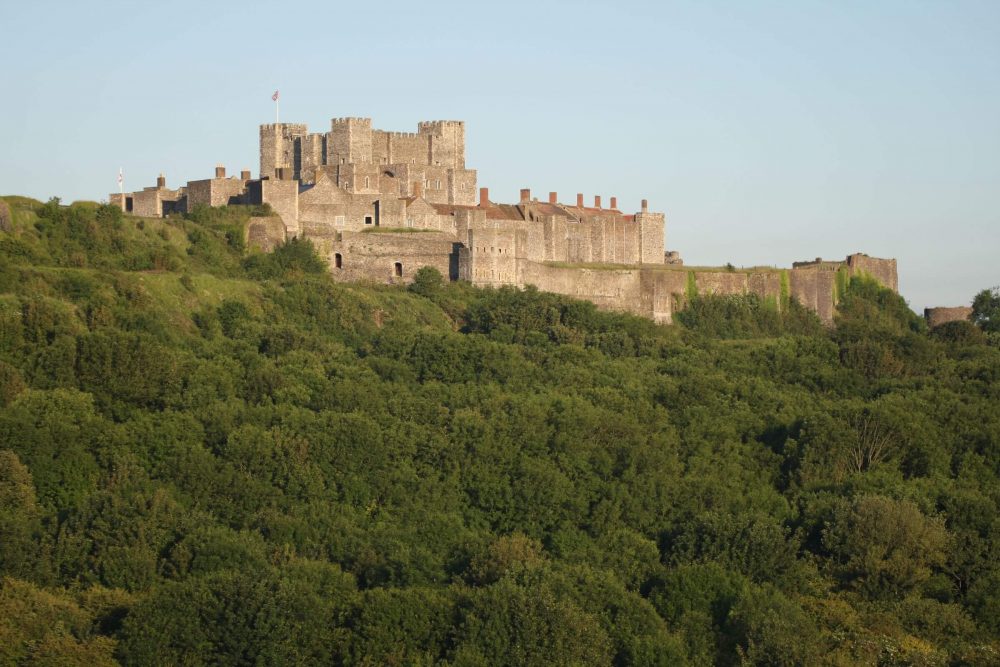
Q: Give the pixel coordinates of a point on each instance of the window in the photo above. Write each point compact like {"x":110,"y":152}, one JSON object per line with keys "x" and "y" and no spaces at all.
{"x":398,"y":269}
{"x":338,"y":261}
{"x":368,"y":220}
{"x":367,"y":183}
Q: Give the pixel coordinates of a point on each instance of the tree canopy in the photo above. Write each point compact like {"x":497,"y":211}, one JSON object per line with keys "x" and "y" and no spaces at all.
{"x":210,"y":457}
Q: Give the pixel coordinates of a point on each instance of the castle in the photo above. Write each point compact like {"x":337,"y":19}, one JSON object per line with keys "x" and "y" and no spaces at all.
{"x":379,"y":205}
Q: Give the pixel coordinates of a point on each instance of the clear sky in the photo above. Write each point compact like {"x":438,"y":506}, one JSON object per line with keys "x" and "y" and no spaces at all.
{"x":768,"y":132}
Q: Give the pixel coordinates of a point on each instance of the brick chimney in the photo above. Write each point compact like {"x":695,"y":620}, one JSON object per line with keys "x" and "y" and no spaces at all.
{"x":645,"y":206}
{"x":220,"y":171}
{"x":161,"y":181}
{"x":579,"y":200}
{"x":597,"y":201}
{"x":245,"y":175}
{"x":553,"y":197}
{"x":484,"y":197}
{"x":525,"y":195}
{"x":418,"y":189}
{"x":614,"y":203}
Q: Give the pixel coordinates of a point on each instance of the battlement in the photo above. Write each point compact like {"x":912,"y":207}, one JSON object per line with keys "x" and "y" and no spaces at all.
{"x":396,"y":135}
{"x":438,"y":126}
{"x":351,"y":120}
{"x":819,"y":262}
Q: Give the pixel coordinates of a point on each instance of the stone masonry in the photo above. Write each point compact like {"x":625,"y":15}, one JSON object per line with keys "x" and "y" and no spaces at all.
{"x":380,"y":205}
{"x":938,"y":316}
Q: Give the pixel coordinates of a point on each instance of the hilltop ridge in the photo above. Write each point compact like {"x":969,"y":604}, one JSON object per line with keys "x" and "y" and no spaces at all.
{"x":212,"y":455}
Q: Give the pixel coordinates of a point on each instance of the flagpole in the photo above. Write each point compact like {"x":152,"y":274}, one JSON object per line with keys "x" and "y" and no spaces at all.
{"x":276,"y":103}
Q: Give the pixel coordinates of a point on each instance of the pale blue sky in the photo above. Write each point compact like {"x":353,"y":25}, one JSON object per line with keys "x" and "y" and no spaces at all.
{"x":768,"y":132}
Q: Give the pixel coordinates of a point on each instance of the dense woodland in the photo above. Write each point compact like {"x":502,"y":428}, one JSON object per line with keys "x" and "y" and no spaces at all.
{"x":214,"y":456}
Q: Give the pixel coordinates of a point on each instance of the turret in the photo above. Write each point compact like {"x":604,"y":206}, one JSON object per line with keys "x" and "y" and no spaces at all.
{"x":651,"y":226}
{"x":349,"y":141}
{"x":447,"y":142}
{"x":277,"y":146}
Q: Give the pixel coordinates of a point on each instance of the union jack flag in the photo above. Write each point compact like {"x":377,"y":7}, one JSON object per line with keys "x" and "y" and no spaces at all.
{"x":275,"y":96}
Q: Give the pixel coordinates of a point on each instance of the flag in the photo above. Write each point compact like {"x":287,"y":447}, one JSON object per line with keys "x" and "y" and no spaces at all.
{"x":275,"y":96}
{"x":121,"y":176}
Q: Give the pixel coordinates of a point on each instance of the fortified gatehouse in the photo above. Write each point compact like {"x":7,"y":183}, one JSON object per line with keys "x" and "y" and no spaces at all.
{"x":379,"y":205}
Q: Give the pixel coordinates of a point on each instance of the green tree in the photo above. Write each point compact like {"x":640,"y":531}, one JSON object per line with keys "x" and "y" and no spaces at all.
{"x":986,"y":310}
{"x":885,"y":548}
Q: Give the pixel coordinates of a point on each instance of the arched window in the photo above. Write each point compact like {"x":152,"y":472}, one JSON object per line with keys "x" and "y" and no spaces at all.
{"x":338,"y":261}
{"x":367,"y":183}
{"x":398,"y":269}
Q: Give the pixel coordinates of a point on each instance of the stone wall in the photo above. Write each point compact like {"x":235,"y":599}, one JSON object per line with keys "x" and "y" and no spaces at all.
{"x":490,"y":259}
{"x":155,"y":202}
{"x":938,"y":316}
{"x":349,"y":141}
{"x":400,"y":148}
{"x":382,"y":257}
{"x":265,"y":233}
{"x":447,"y":146}
{"x":215,"y":192}
{"x":814,"y":286}
{"x":283,"y":198}
{"x":146,"y":203}
{"x":280,"y":147}
{"x":883,"y":270}
{"x":651,"y":241}
{"x":312,"y":154}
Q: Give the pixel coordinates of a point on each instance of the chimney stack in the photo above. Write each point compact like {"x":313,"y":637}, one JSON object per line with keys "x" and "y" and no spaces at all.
{"x":418,"y":189}
{"x":597,"y":201}
{"x":484,"y":197}
{"x":525,"y":195}
{"x":553,"y":198}
{"x":645,"y":206}
{"x":245,"y":175}
{"x":220,"y":171}
{"x":579,"y":200}
{"x":614,"y":203}
{"x":161,"y":181}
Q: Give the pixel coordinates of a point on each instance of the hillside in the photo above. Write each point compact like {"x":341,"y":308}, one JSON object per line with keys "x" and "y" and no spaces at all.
{"x":211,"y":456}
